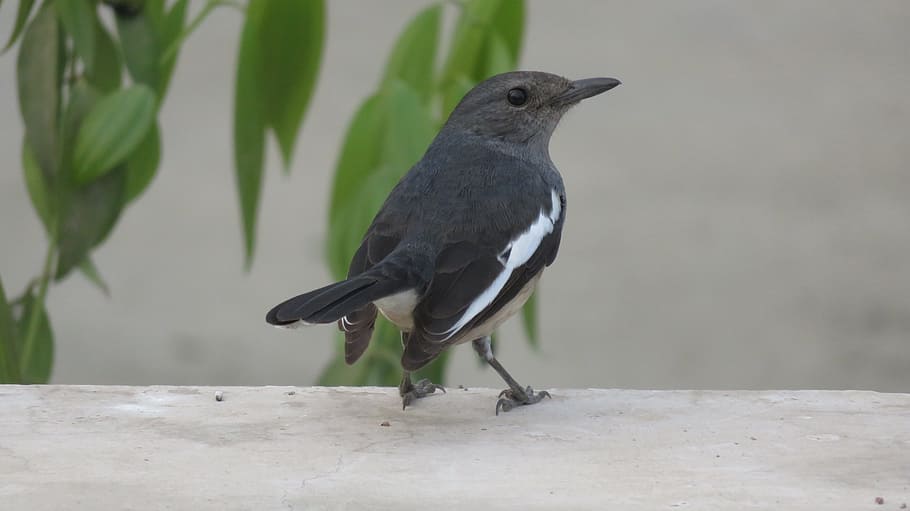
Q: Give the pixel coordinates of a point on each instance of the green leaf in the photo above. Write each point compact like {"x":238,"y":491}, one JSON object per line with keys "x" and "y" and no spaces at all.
{"x":497,"y":58}
{"x":529,"y":320}
{"x":83,"y":97}
{"x":88,"y":213}
{"x":279,"y":54}
{"x":154,"y":10}
{"x":42,"y":351}
{"x":171,"y":26}
{"x":387,"y":136}
{"x":291,"y":34}
{"x":485,"y":27}
{"x":142,"y":164}
{"x":9,"y":343}
{"x":39,"y":75}
{"x":341,"y":243}
{"x":171,"y":34}
{"x":113,"y":129}
{"x":470,"y":33}
{"x":90,"y":271}
{"x":25,"y":8}
{"x":360,"y":152}
{"x":346,"y":232}
{"x":78,"y":17}
{"x":508,"y":24}
{"x":141,"y":48}
{"x":172,"y":30}
{"x":249,"y":126}
{"x":38,"y":190}
{"x":409,"y":129}
{"x":413,"y":58}
{"x":453,"y":92}
{"x":108,"y":70}
{"x":502,"y":44}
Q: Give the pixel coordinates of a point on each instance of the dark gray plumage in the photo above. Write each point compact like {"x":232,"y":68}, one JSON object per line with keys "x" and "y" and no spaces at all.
{"x":460,"y":242}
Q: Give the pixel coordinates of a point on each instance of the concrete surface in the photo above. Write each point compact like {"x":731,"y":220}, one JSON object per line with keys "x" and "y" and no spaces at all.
{"x":263,"y":448}
{"x":742,"y":197}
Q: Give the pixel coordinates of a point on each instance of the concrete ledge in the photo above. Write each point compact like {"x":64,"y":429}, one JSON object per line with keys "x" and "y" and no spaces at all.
{"x":98,"y":448}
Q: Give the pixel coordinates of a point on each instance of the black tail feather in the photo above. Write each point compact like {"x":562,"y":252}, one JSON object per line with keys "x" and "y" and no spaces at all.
{"x":330,"y":303}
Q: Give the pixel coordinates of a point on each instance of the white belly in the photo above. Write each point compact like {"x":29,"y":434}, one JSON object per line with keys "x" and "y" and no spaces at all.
{"x":399,"y":308}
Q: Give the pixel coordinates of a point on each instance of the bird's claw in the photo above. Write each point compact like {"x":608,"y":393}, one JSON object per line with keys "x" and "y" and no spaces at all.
{"x":422,"y":388}
{"x":510,"y":398}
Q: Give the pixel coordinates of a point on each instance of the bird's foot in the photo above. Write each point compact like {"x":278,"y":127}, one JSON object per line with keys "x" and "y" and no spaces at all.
{"x":510,"y":398}
{"x":422,"y":388}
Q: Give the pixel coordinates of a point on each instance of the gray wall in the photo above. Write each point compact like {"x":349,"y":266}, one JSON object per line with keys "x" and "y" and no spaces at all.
{"x":739,"y":209}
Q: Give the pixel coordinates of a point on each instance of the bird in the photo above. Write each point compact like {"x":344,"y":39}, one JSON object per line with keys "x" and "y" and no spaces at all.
{"x":461,"y":241}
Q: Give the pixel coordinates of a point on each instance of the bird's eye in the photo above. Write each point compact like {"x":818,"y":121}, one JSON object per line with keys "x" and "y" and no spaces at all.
{"x":518,"y":96}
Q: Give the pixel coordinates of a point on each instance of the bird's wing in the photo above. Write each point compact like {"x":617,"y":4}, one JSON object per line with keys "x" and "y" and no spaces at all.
{"x":476,"y":276}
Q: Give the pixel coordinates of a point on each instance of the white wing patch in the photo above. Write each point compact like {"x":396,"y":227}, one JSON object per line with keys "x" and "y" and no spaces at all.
{"x":520,"y":250}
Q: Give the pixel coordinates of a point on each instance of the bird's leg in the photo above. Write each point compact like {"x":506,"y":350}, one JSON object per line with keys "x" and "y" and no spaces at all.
{"x":412,"y":391}
{"x":515,"y":395}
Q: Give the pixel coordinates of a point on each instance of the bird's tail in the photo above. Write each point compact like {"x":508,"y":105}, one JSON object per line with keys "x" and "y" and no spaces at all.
{"x":331,"y":303}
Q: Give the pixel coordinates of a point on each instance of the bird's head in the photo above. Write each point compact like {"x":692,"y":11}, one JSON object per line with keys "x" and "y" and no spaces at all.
{"x":522,"y":106}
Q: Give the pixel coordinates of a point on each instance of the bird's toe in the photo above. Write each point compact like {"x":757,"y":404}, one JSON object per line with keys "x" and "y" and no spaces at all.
{"x":510,"y":398}
{"x":422,"y":388}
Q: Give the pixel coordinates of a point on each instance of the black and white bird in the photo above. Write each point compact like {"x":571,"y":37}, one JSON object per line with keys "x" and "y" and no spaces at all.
{"x":461,"y":241}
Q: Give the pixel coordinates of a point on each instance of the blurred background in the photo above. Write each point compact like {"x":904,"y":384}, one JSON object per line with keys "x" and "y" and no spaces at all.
{"x":739,"y":209}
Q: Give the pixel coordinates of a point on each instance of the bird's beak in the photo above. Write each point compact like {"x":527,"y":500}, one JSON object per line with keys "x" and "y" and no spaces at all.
{"x":581,"y":89}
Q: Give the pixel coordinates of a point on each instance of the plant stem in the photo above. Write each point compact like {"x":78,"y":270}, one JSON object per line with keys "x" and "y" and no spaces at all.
{"x":206,"y":10}
{"x":19,"y":300}
{"x":9,"y":369}
{"x":31,"y":333}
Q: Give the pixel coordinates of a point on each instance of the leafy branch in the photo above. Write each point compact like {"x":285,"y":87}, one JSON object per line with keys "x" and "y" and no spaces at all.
{"x":89,"y":101}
